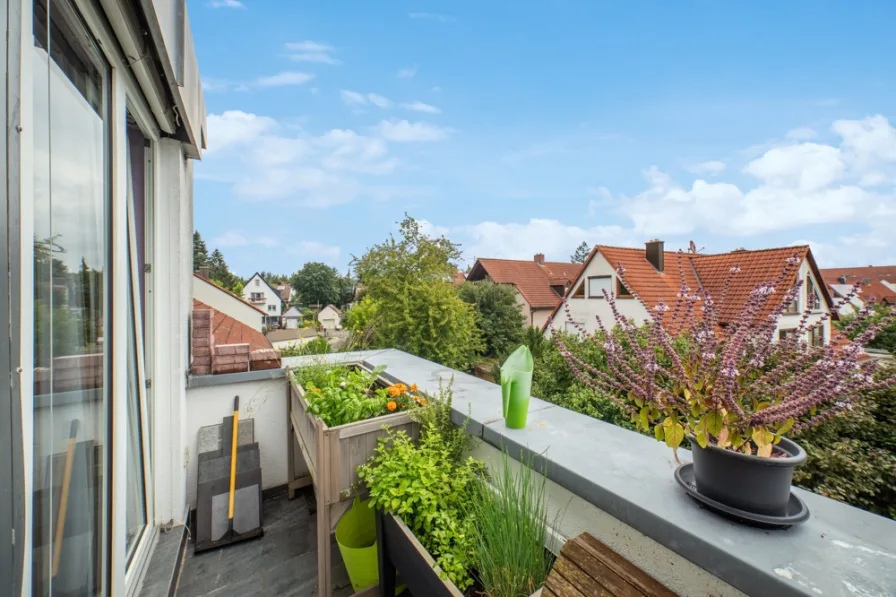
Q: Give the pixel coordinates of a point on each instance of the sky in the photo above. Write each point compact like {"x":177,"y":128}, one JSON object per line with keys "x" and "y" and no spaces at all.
{"x":517,"y":128}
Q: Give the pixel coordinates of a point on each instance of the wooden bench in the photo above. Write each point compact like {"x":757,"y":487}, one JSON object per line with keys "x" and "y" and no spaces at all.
{"x":587,"y":567}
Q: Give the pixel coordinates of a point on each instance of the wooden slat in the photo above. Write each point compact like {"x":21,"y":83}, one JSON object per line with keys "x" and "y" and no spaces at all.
{"x":579,"y":579}
{"x":593,"y":567}
{"x":415,"y":566}
{"x":645,"y":583}
{"x":546,"y":592}
{"x":561,"y":587}
{"x":375,"y":424}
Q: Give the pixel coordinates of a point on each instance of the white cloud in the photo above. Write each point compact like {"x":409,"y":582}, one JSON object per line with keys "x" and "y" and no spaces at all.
{"x":421,"y":107}
{"x":264,"y":160}
{"x":312,"y":51}
{"x":235,"y":127}
{"x":402,"y":131}
{"x":802,"y":133}
{"x":799,"y":187}
{"x":236,"y":239}
{"x":284,"y":78}
{"x":313,"y":250}
{"x":523,"y":240}
{"x":225,"y":4}
{"x":352,"y":98}
{"x":710,"y":168}
{"x":406,"y":73}
{"x":379,"y":101}
{"x":432,"y":16}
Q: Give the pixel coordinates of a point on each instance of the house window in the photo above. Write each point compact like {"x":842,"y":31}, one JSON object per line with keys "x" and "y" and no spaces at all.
{"x":256,"y":297}
{"x":621,"y":290}
{"x":597,"y":284}
{"x":814,"y":302}
{"x":816,"y":336}
{"x":257,"y":282}
{"x":794,"y":306}
{"x":580,"y":291}
{"x":272,"y":308}
{"x":787,"y":333}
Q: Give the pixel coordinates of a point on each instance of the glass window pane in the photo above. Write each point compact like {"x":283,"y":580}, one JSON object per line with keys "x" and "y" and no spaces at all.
{"x":596,"y":286}
{"x":71,"y":254}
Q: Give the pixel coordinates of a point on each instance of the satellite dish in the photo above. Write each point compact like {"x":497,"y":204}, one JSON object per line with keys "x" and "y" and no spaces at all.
{"x":692,"y":248}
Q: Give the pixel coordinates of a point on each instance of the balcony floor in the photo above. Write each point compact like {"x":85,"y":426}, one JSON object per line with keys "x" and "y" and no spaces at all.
{"x":282,"y":563}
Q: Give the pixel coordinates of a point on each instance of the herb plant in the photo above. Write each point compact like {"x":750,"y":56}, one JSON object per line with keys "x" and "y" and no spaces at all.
{"x":342,"y":394}
{"x":510,"y":533}
{"x":729,"y":384}
{"x":428,"y":486}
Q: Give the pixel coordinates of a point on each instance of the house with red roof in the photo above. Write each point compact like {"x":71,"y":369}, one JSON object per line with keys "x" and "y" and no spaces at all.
{"x":539,"y":284}
{"x":876,"y":282}
{"x":652,"y":275}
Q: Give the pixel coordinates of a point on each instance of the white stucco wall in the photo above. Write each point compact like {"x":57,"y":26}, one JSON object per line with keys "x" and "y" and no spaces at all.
{"x":262,"y":401}
{"x":217,"y":299}
{"x":788,"y":321}
{"x":585,"y":310}
{"x":539,"y":317}
{"x":272,"y":304}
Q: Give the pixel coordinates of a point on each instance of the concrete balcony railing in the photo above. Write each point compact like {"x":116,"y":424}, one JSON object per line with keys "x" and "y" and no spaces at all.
{"x":610,"y":482}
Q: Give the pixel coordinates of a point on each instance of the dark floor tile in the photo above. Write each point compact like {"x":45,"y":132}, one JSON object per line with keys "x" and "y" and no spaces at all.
{"x":291,"y":575}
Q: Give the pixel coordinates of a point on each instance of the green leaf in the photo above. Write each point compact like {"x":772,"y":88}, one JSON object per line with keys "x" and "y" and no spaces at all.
{"x":644,"y":418}
{"x":785,"y":426}
{"x":762,"y":437}
{"x":674,"y":432}
{"x":701,"y":439}
{"x":658,"y":432}
{"x":714,"y":422}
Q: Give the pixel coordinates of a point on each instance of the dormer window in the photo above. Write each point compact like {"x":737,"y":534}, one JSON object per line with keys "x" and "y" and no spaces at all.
{"x":814,"y":301}
{"x":622,"y":290}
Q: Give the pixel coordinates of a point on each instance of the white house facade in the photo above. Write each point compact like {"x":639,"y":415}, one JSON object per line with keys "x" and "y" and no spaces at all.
{"x":652,"y":274}
{"x":265,"y":297}
{"x":104,"y":117}
{"x":330,"y":318}
{"x":292,"y":319}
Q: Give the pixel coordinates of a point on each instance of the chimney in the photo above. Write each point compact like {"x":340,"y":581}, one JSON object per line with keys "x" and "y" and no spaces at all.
{"x":654,"y":253}
{"x":539,"y":258}
{"x":842,"y":279}
{"x":203,"y":272}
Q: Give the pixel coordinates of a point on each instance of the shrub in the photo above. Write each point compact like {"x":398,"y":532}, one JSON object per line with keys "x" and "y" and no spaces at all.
{"x":317,"y":345}
{"x":500,"y":318}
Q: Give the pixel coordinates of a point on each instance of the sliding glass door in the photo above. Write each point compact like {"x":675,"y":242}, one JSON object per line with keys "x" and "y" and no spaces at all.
{"x":72,"y":199}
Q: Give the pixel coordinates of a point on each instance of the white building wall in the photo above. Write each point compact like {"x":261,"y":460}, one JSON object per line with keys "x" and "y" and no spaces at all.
{"x":329,"y":318}
{"x":790,"y":321}
{"x":584,"y":311}
{"x":218,"y":299}
{"x":262,"y":401}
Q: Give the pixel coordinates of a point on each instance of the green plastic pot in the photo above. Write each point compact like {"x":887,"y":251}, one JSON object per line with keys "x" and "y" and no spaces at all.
{"x":356,"y":538}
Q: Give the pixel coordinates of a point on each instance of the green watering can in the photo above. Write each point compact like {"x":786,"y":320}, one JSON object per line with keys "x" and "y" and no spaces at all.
{"x":516,"y":385}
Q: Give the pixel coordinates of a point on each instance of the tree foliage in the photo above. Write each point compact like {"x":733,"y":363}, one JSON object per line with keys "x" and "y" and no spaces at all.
{"x":318,"y":284}
{"x":412,"y":305}
{"x":200,"y":252}
{"x":220,"y":274}
{"x":884,"y":340}
{"x":581,"y":253}
{"x":500,"y":318}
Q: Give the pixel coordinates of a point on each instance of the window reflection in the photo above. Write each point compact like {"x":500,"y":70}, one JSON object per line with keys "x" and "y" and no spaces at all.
{"x":70,"y":303}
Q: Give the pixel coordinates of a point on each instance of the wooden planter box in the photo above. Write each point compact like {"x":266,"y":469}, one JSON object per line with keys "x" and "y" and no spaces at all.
{"x":400,"y":552}
{"x":332,"y":455}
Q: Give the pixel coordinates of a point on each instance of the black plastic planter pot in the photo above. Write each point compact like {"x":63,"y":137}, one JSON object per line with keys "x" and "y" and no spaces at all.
{"x":750,"y":483}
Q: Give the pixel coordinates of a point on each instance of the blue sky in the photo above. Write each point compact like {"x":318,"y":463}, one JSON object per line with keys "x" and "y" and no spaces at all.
{"x":525,"y":127}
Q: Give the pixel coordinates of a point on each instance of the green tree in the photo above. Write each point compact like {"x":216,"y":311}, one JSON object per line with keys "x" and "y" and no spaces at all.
{"x":318,"y":284}
{"x":414,"y":305}
{"x":581,"y":253}
{"x":220,"y":274}
{"x":885,"y":339}
{"x":200,"y":252}
{"x":500,"y":318}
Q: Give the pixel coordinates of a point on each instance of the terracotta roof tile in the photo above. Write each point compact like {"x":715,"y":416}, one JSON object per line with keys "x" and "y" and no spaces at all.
{"x":228,"y":330}
{"x":875,"y":274}
{"x":532,"y":280}
{"x":710,"y":271}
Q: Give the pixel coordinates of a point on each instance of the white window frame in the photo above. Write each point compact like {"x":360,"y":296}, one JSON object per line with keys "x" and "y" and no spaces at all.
{"x":608,"y":280}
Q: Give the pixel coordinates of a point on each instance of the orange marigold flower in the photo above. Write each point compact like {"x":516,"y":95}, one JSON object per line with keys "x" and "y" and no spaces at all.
{"x":394,"y":391}
{"x":422,"y":402}
{"x":413,"y":388}
{"x":391,"y":406}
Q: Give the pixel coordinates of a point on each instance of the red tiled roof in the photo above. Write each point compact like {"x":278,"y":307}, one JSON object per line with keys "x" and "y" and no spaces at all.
{"x":710,"y":271}
{"x":875,"y":274}
{"x":228,"y":330}
{"x":532,"y":280}
{"x":224,"y":290}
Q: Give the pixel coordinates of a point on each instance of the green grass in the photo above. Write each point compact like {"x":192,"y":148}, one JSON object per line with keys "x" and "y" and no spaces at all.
{"x":511,"y":522}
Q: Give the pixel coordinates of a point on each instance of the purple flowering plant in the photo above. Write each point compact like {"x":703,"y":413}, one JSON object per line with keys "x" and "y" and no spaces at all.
{"x":728,"y":383}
